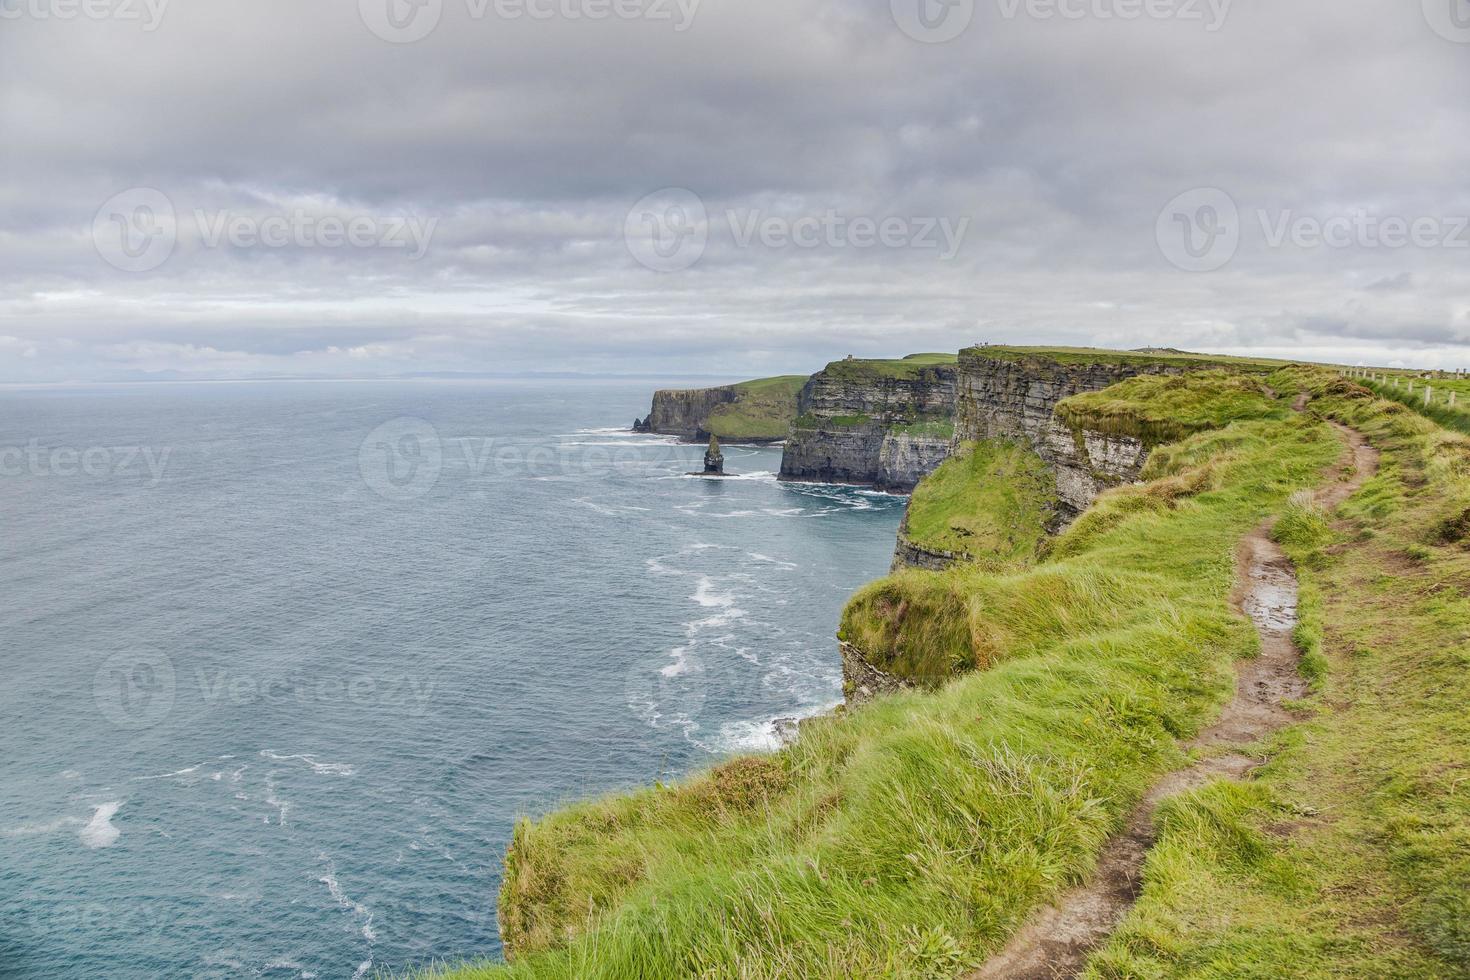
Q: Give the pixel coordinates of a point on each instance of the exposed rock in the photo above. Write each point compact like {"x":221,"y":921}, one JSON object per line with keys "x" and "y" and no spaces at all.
{"x":683,"y":412}
{"x":714,"y":460}
{"x":1004,"y":395}
{"x":861,"y":681}
{"x":887,"y":430}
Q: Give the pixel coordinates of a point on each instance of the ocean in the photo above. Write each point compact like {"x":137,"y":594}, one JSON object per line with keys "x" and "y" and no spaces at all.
{"x":285,"y":661}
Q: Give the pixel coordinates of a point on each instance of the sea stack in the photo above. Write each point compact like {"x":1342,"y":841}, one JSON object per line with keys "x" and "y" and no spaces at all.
{"x":714,"y":461}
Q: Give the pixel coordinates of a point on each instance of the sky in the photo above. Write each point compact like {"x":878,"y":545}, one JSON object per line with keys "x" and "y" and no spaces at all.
{"x":365,"y":188}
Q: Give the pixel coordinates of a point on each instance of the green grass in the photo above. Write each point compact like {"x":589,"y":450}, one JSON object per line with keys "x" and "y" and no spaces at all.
{"x":1098,"y":355}
{"x":763,"y":410}
{"x":990,"y":502}
{"x":1348,"y":855}
{"x":910,"y":367}
{"x":911,"y":836}
{"x":1158,"y":408}
{"x":1456,"y":417}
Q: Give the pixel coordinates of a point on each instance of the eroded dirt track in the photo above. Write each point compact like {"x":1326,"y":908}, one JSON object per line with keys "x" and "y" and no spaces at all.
{"x":1058,"y":939}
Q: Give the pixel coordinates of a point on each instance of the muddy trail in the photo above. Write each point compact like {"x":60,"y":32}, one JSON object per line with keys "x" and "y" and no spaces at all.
{"x":1057,"y":940}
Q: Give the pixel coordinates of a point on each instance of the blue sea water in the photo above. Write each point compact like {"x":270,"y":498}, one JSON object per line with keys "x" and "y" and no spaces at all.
{"x":284,"y":662}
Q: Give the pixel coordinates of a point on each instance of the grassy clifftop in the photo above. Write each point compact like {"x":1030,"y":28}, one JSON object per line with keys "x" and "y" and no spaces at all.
{"x":990,"y":502}
{"x":1157,"y":408}
{"x":1346,"y":856}
{"x":909,"y":367}
{"x":763,"y":409}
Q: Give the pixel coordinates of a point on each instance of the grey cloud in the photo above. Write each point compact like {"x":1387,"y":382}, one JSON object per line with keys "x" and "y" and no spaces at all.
{"x":528,"y":141}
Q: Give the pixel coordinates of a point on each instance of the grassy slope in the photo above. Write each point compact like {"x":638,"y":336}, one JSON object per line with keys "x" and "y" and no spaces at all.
{"x":764,"y":409}
{"x":911,"y":836}
{"x":1163,"y":408}
{"x":990,"y":501}
{"x":1349,"y":854}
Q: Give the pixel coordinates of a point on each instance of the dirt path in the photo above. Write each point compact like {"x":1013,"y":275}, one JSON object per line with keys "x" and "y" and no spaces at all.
{"x":1058,"y":939}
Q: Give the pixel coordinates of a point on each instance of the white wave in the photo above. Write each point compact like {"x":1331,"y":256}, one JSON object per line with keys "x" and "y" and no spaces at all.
{"x":71,"y":774}
{"x":762,"y":734}
{"x":333,"y":768}
{"x":282,"y":806}
{"x":358,"y":910}
{"x":680,"y":656}
{"x":705,"y":594}
{"x":169,"y":775}
{"x":756,"y":555}
{"x":757,"y":475}
{"x":99,"y":831}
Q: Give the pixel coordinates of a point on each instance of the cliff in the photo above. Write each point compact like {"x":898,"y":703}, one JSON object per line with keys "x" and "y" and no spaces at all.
{"x":751,"y":411}
{"x":1013,"y":393}
{"x":885,"y":423}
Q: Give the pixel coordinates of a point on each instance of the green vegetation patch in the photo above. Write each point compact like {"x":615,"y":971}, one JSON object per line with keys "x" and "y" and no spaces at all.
{"x":1348,"y":855}
{"x":1159,"y":408}
{"x":764,"y":409}
{"x":990,"y":502}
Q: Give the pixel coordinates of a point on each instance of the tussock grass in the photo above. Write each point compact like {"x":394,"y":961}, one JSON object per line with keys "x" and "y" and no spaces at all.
{"x":990,"y":501}
{"x":1348,"y":856}
{"x":1158,"y":408}
{"x":911,"y":836}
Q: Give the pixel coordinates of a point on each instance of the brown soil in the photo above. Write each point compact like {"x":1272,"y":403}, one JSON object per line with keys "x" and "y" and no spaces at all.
{"x":1057,"y":940}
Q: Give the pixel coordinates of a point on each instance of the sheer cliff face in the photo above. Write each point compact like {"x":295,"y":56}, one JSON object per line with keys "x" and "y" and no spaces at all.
{"x":1017,"y":398}
{"x":683,"y":413}
{"x":870,"y":427}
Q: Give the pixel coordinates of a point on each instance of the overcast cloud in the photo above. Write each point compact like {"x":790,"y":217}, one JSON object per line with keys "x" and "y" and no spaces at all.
{"x":241,"y":188}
